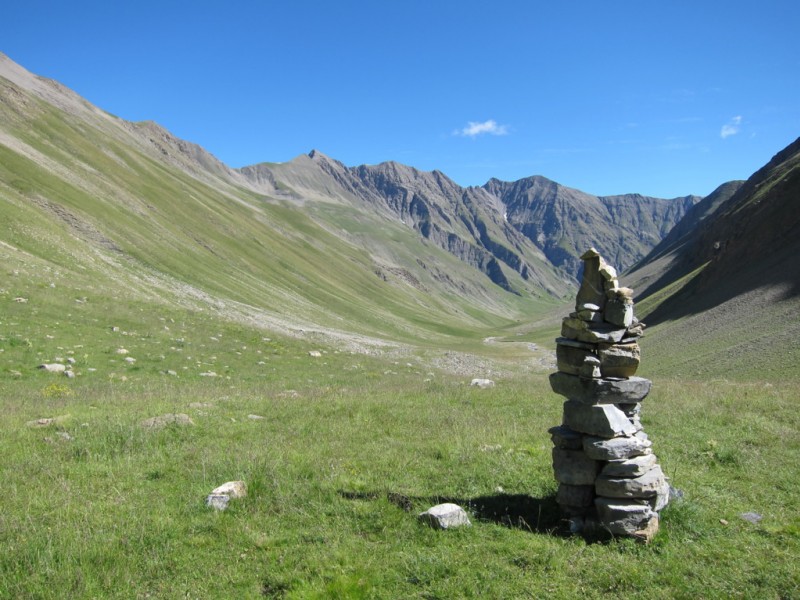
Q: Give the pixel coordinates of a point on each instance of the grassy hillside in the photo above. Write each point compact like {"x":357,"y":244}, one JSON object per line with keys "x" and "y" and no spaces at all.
{"x":723,"y":296}
{"x":84,"y":201}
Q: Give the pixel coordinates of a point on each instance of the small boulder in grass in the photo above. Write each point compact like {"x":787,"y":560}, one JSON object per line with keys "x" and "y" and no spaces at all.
{"x":445,"y":516}
{"x":222,"y":495}
{"x":482,"y":383}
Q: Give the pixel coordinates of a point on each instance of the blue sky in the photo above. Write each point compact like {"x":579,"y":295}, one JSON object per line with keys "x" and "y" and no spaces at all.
{"x":664,"y":98}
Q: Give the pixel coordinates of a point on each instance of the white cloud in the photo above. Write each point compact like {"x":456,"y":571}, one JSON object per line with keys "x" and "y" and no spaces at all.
{"x":731,"y":127}
{"x":474,"y":129}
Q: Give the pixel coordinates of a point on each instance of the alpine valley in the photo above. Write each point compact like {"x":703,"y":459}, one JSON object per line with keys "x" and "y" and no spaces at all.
{"x":249,"y":383}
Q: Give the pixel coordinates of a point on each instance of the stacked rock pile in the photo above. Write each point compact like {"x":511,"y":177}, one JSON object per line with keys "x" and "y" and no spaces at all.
{"x":608,"y":476}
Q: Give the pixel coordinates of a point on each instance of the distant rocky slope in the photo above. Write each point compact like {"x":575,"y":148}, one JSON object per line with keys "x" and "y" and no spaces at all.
{"x":533,"y":226}
{"x":721,"y":293}
{"x":370,"y":248}
{"x":563,"y":222}
{"x":741,"y":237}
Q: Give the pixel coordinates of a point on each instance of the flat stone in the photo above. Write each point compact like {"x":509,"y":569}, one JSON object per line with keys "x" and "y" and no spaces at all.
{"x":445,"y":516}
{"x":570,"y":359}
{"x":619,"y":360}
{"x":565,"y":438}
{"x":603,"y":420}
{"x":631,"y":467}
{"x":573,"y":467}
{"x":644,"y":486}
{"x":575,"y":495}
{"x":600,"y":391}
{"x":624,"y":517}
{"x":576,"y":329}
{"x":620,"y":448}
{"x":562,"y":341}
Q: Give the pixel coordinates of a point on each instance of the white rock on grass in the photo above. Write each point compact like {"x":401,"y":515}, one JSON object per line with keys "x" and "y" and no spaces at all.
{"x":445,"y":516}
{"x":168,"y":419}
{"x":220,"y":496}
{"x":315,"y":354}
{"x":482,"y":383}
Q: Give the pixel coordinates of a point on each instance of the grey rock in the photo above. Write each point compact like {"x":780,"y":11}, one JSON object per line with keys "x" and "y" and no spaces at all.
{"x":564,"y":437}
{"x":482,"y":383}
{"x":662,"y":497}
{"x":445,"y":516}
{"x":218,"y":501}
{"x":630,"y":410}
{"x":619,"y":312}
{"x":624,"y":517}
{"x":632,"y":467}
{"x":590,"y":367}
{"x":575,"y":495}
{"x":573,"y":467}
{"x":603,"y":420}
{"x":644,"y":486}
{"x":600,"y":391}
{"x":570,"y":359}
{"x":620,"y":448}
{"x":592,"y":290}
{"x":576,"y":329}
{"x":168,"y":419}
{"x":69,"y":374}
{"x":619,"y":360}
{"x":752,"y":517}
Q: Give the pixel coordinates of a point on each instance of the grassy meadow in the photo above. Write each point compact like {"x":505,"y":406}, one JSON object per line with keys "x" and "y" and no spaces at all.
{"x":350,"y":448}
{"x":173,"y":294}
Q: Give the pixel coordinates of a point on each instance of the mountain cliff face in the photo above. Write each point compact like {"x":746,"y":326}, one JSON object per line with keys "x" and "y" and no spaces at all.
{"x":564,"y":221}
{"x":534,"y":227}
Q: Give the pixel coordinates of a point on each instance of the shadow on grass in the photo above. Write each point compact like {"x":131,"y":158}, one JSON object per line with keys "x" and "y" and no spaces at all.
{"x":516,"y":511}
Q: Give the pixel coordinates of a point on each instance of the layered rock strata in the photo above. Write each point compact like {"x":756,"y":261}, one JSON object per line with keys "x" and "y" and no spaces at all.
{"x":608,"y":477}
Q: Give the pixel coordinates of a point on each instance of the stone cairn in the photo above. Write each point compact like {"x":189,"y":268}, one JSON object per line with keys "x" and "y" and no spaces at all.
{"x":608,"y":477}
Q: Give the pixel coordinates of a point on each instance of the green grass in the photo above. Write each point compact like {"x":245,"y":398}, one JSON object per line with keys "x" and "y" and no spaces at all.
{"x":347,"y":442}
{"x":189,"y":278}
